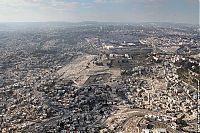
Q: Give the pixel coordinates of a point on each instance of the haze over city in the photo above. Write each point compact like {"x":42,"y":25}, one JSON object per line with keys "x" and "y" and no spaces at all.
{"x":178,"y":11}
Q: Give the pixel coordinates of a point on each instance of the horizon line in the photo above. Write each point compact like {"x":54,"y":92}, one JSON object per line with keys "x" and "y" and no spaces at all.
{"x":73,"y":22}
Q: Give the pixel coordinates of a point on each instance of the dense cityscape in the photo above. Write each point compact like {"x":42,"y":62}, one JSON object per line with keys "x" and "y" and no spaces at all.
{"x":94,"y":77}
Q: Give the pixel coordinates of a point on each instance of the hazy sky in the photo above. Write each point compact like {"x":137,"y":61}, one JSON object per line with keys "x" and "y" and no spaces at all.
{"x":185,"y":11}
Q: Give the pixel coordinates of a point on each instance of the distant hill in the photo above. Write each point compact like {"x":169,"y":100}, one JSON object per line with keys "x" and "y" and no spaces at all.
{"x":12,"y":26}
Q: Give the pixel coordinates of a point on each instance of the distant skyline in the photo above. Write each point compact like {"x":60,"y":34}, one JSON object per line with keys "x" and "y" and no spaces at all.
{"x":178,"y":11}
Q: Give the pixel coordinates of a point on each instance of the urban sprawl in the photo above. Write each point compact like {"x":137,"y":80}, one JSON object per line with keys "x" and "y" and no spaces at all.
{"x":99,"y":78}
